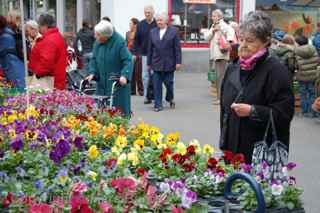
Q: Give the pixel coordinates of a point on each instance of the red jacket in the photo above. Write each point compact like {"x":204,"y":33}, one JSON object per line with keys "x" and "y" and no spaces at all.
{"x":49,"y":57}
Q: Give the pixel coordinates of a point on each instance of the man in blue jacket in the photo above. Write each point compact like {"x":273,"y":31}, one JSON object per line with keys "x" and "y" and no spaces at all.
{"x":164,"y":57}
{"x":140,"y":46}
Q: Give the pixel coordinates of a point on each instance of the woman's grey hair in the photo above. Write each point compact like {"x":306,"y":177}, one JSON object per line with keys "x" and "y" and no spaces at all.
{"x":259,"y":24}
{"x":33,"y":24}
{"x":218,"y":12}
{"x":150,"y":8}
{"x":47,"y":20}
{"x":164,"y":16}
{"x":104,"y":28}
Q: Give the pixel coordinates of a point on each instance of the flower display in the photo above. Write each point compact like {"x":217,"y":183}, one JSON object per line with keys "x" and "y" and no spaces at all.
{"x":61,"y":153}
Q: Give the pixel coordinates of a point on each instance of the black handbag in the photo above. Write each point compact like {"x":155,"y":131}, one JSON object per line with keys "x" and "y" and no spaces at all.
{"x":275,"y":156}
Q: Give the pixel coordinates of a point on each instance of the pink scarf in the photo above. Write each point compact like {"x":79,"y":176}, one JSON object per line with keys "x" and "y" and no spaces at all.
{"x":249,"y":63}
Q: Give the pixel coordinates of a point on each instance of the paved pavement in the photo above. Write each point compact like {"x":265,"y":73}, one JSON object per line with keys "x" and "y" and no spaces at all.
{"x":195,"y":117}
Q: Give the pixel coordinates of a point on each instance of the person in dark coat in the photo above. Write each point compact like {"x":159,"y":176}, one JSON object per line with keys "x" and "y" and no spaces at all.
{"x":136,"y":81}
{"x":140,"y":48}
{"x":164,"y":57}
{"x":10,"y":63}
{"x":83,"y":43}
{"x":252,"y":86}
{"x":111,"y":58}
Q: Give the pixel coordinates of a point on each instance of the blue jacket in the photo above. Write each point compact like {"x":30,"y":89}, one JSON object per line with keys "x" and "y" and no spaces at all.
{"x":163,"y":55}
{"x":141,"y":40}
{"x":12,"y":66}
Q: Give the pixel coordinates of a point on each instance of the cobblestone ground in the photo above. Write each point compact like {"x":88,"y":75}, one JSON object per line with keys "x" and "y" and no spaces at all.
{"x":195,"y":117}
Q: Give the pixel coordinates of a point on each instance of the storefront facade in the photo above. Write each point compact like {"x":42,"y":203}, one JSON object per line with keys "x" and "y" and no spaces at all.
{"x":293,"y":16}
{"x":69,"y":13}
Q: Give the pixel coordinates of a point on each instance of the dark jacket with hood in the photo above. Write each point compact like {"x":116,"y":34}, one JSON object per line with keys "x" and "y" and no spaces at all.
{"x":269,"y":87}
{"x":86,"y":37}
{"x":307,"y":63}
{"x":286,"y":57}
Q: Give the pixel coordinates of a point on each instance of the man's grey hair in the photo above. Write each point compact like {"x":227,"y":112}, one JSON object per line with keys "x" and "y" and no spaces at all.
{"x":47,"y":20}
{"x":218,"y":12}
{"x":104,"y":28}
{"x":164,"y":16}
{"x":259,"y":24}
{"x":33,"y":24}
{"x":149,"y":7}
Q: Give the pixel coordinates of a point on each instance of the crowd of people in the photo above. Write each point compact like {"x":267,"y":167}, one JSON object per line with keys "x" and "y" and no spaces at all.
{"x":255,"y":66}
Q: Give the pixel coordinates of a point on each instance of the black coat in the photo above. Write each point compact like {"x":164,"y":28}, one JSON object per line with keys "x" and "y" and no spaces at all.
{"x":270,"y":87}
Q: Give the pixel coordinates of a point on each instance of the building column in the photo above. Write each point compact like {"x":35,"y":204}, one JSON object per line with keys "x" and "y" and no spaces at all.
{"x":79,"y":14}
{"x":60,"y":15}
{"x":247,"y":6}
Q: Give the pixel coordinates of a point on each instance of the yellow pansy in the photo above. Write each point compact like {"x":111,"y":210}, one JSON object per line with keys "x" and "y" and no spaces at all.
{"x":93,"y":152}
{"x":121,"y":159}
{"x":12,"y":133}
{"x":208,"y":150}
{"x":22,"y":116}
{"x":133,"y":158}
{"x":173,"y":138}
{"x":154,"y":131}
{"x":138,"y":144}
{"x":3,"y":121}
{"x":181,"y":148}
{"x":196,"y":144}
{"x":12,"y":117}
{"x":121,"y":141}
{"x":93,"y":175}
{"x":31,"y":135}
{"x":32,"y":112}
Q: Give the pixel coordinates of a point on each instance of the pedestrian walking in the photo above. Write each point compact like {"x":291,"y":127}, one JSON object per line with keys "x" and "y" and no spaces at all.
{"x":252,"y":86}
{"x":307,"y":73}
{"x":220,"y":36}
{"x":48,"y":59}
{"x":140,"y":46}
{"x":136,"y":81}
{"x":164,"y":57}
{"x":83,"y":43}
{"x":10,"y":63}
{"x":111,"y":58}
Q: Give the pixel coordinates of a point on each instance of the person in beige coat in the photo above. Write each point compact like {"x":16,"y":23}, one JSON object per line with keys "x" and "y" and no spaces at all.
{"x":218,"y":56}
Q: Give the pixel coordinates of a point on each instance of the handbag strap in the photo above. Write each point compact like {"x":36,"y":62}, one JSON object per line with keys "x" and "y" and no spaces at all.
{"x":273,"y":128}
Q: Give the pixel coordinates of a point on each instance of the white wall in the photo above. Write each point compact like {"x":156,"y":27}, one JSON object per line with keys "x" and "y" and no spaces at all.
{"x":121,"y":11}
{"x":247,"y":6}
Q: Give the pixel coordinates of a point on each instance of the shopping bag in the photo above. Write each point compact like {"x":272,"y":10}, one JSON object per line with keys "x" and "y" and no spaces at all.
{"x":223,"y":44}
{"x":275,"y":155}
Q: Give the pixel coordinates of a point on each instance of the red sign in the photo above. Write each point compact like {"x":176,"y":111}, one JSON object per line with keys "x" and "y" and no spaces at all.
{"x":199,"y":1}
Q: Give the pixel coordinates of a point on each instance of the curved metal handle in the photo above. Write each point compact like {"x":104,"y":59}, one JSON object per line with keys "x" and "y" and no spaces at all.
{"x":253,"y":184}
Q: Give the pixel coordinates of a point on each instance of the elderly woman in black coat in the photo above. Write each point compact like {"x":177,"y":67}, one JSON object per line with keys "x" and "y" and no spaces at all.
{"x":253,"y":85}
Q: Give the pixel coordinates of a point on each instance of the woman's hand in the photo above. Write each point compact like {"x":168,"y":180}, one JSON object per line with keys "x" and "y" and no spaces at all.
{"x":242,"y":110}
{"x":89,"y":77}
{"x":123,"y":81}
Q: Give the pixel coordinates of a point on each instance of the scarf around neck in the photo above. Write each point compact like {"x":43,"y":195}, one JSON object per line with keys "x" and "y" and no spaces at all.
{"x":249,"y":63}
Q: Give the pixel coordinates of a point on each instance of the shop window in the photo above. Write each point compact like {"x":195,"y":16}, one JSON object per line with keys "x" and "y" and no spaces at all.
{"x":292,"y":16}
{"x":70,"y":21}
{"x":190,"y":19}
{"x":91,"y":11}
